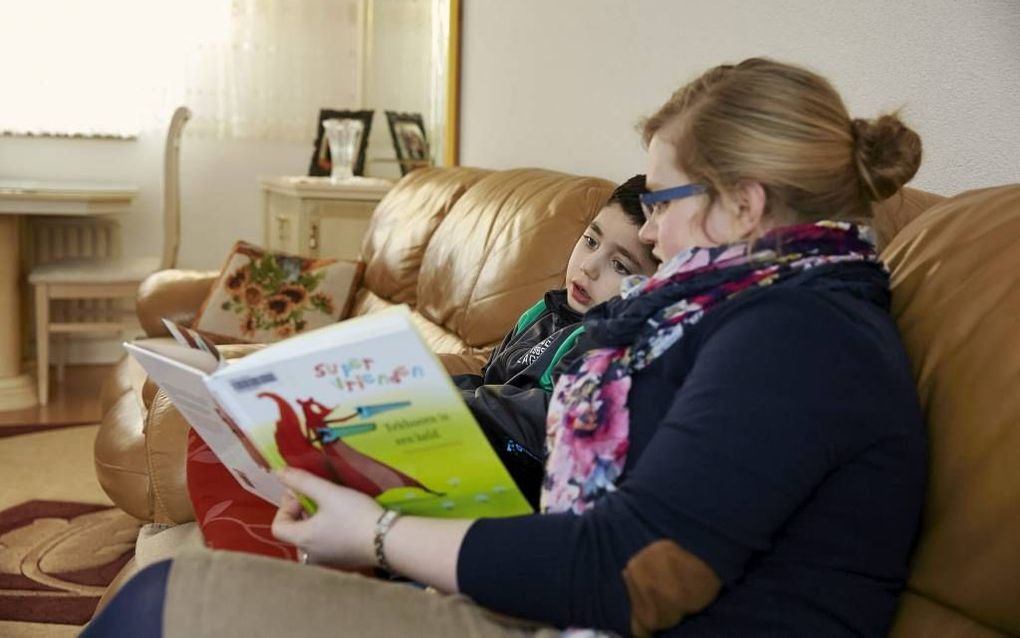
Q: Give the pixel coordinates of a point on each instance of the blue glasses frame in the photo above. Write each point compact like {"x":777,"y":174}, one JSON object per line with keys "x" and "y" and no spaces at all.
{"x":652,"y":200}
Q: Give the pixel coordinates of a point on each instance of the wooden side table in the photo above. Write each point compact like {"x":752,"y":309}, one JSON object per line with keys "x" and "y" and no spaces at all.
{"x":314,"y":217}
{"x":21,"y":198}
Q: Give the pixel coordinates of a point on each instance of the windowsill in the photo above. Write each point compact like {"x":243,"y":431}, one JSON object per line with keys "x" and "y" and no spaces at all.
{"x":114,"y":137}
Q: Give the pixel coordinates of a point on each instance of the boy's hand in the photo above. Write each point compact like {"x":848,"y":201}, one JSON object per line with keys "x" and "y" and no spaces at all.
{"x":340,"y":533}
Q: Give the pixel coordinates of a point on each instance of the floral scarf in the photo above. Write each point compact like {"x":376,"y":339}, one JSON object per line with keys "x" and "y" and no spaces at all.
{"x":588,"y":422}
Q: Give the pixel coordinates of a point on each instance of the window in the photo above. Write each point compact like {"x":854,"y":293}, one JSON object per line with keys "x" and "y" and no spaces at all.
{"x":252,"y":69}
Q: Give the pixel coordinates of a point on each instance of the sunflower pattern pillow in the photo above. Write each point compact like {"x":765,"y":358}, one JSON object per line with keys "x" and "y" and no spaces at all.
{"x":264,"y":296}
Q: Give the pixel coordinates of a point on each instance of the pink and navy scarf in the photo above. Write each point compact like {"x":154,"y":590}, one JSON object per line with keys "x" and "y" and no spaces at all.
{"x":588,"y":422}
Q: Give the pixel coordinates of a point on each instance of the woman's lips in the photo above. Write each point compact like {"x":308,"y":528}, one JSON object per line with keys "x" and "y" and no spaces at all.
{"x":579,"y":294}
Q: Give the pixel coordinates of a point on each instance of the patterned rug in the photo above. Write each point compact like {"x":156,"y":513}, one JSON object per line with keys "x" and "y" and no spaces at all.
{"x":56,"y":559}
{"x":61,"y":539}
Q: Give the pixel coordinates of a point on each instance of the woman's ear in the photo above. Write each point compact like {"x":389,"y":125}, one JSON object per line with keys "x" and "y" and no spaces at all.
{"x":751,"y":200}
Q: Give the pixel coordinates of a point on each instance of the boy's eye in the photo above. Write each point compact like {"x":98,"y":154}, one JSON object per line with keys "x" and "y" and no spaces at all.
{"x":589,"y":241}
{"x":619,"y":267}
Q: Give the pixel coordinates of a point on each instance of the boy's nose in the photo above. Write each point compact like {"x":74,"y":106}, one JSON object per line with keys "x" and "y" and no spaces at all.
{"x":590,"y":268}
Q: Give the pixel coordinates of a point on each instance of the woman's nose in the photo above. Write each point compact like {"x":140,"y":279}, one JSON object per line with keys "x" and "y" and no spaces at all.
{"x":647,"y":232}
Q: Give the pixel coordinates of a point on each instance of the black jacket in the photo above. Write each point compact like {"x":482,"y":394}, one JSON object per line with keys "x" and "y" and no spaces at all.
{"x":510,"y":397}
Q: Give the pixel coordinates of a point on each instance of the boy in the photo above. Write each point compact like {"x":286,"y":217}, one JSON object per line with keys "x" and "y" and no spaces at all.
{"x":510,"y":397}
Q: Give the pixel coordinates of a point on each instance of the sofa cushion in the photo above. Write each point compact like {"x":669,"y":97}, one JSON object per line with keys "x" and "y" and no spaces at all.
{"x":263,"y":296}
{"x":957,"y":303}
{"x":502,"y":246}
{"x":230,"y":517}
{"x":403,"y":224}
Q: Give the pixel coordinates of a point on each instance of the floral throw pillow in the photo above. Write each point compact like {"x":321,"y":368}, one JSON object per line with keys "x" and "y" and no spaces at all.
{"x":265,"y":296}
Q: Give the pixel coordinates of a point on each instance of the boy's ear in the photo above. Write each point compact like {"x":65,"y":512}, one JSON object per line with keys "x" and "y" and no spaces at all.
{"x":751,"y":200}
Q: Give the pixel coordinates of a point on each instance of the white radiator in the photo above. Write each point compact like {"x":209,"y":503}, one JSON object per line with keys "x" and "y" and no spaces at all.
{"x":58,"y":238}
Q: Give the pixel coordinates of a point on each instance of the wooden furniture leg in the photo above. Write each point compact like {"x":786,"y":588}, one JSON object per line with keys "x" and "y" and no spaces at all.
{"x":42,"y":341}
{"x":16,"y":389}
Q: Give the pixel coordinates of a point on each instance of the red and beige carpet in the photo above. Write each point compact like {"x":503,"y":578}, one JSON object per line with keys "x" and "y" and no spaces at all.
{"x":61,"y":540}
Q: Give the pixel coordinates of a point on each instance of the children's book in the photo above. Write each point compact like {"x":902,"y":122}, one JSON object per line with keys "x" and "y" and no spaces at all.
{"x":363,"y":403}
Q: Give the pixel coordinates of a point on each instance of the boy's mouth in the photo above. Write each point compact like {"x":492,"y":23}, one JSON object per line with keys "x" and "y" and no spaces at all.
{"x":579,"y":294}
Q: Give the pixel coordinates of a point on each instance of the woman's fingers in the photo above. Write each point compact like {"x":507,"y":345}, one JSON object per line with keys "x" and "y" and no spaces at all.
{"x":292,"y":506}
{"x":341,"y":530}
{"x":288,"y":521}
{"x":306,"y":483}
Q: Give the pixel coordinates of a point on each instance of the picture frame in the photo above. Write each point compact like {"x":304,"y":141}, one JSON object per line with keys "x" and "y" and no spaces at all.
{"x":321,"y":163}
{"x":409,"y":140}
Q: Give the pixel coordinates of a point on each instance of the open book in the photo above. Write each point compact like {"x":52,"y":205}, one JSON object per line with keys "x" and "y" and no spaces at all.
{"x":363,"y":403}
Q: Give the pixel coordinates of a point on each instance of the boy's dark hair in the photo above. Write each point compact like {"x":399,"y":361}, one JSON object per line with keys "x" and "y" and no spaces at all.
{"x":628,"y":196}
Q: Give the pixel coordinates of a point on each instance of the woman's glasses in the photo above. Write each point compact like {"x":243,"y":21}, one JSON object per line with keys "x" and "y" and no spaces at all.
{"x":654,"y":201}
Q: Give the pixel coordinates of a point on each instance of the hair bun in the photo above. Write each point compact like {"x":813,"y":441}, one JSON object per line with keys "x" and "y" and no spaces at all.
{"x":887,"y":154}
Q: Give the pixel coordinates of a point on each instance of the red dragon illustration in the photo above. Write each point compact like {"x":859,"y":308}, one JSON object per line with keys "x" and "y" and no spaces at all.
{"x":334,"y":461}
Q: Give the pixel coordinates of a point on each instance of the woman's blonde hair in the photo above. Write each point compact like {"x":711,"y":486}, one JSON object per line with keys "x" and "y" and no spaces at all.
{"x":786,"y":128}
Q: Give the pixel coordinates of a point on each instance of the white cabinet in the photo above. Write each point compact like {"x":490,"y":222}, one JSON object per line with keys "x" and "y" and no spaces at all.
{"x":313,"y":217}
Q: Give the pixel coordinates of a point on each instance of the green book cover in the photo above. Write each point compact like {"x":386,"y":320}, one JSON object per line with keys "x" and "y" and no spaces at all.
{"x":366,"y":404}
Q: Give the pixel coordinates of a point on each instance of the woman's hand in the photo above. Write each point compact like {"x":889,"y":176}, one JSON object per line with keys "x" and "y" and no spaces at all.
{"x":340,"y":533}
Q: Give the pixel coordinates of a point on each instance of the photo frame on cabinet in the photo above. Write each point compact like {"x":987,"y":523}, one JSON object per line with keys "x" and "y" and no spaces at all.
{"x":321,"y":161}
{"x":409,"y":140}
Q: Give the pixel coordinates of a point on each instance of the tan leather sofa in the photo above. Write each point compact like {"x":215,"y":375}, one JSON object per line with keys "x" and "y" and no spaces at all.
{"x":469,"y":249}
{"x":956,"y":298}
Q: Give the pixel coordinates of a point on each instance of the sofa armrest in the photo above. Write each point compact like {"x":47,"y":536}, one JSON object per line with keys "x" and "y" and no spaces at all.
{"x":166,"y":445}
{"x":141,"y":447}
{"x":119,"y":449}
{"x":173,"y":294}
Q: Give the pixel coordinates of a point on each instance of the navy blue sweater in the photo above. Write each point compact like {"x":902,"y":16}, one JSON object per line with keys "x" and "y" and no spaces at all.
{"x":780,"y":441}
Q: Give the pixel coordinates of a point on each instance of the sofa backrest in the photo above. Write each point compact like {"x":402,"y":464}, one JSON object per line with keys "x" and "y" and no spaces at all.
{"x":470,"y":250}
{"x":504,"y":244}
{"x":890,"y":216}
{"x":400,"y":230}
{"x":956,"y":299}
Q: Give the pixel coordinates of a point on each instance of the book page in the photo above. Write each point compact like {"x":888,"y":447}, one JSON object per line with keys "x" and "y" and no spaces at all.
{"x":193,"y":339}
{"x":187,"y":390}
{"x":378,"y":414}
{"x":199,"y":360}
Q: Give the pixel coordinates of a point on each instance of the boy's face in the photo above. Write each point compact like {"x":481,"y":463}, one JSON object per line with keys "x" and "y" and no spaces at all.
{"x":608,"y":251}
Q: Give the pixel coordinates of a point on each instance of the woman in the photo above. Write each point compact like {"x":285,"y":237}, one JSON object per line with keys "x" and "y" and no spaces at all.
{"x":738,"y":452}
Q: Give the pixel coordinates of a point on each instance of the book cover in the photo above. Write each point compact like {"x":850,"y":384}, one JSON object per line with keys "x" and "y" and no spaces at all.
{"x":363,"y":403}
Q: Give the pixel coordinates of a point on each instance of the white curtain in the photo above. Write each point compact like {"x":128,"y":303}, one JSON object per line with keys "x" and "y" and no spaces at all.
{"x":248,"y":69}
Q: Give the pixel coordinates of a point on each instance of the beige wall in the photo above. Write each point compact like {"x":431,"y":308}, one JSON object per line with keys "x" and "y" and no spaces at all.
{"x":561,"y":83}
